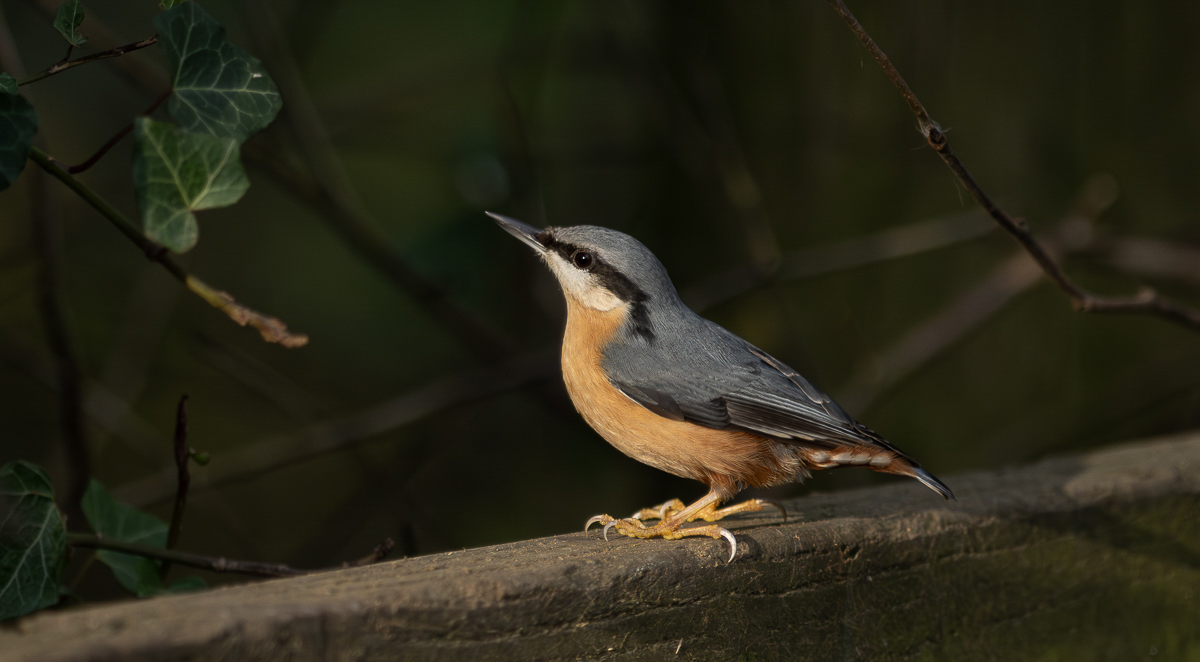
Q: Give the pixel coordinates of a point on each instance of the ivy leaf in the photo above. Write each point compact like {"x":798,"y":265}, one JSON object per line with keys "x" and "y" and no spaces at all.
{"x":67,"y":20}
{"x":149,"y":583}
{"x":8,"y":84}
{"x":219,"y":88}
{"x":188,"y":584}
{"x":117,"y":521}
{"x":176,"y":173}
{"x":18,"y":125}
{"x":33,"y":540}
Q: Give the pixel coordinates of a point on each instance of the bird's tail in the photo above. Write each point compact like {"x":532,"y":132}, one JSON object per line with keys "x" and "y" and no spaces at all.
{"x":929,"y":480}
{"x":881,"y":457}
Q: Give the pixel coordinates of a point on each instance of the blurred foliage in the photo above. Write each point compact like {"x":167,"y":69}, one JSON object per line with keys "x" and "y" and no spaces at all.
{"x":721,"y":134}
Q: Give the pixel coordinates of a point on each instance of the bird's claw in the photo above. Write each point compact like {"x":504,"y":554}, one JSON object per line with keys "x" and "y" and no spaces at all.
{"x":598,"y":519}
{"x":732,"y":543}
{"x":782,"y":510}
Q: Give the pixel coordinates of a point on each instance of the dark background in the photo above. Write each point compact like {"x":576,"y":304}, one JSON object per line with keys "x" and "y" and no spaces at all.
{"x":722,"y":134}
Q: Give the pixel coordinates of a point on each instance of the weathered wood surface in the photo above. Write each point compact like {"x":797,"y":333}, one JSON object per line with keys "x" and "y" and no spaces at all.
{"x":1088,"y":557}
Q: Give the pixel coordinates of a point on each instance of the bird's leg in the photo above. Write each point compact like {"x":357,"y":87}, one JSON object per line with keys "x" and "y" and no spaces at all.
{"x":670,"y":528}
{"x":712,"y":513}
{"x":661,"y":511}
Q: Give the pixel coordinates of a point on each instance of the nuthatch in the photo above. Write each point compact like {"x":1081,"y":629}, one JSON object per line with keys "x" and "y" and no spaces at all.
{"x":680,"y":393}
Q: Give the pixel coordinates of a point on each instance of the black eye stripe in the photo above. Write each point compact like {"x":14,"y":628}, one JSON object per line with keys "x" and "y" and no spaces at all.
{"x":612,"y":280}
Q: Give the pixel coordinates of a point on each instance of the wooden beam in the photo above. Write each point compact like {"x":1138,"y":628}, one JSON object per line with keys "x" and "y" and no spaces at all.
{"x":1084,"y":557}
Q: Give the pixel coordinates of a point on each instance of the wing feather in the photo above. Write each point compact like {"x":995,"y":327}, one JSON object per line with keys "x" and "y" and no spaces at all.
{"x":726,"y":382}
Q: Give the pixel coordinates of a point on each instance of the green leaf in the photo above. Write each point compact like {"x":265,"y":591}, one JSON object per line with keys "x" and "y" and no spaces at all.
{"x":8,"y":84}
{"x":167,"y":4}
{"x":150,"y":584}
{"x":33,"y":540}
{"x":219,"y":88}
{"x":18,"y":125}
{"x":187,"y":584}
{"x":67,"y":20}
{"x":148,"y":581}
{"x":176,"y":173}
{"x":117,"y":521}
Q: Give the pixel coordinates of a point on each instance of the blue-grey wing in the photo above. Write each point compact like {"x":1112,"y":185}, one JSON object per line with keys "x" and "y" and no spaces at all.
{"x":721,"y":381}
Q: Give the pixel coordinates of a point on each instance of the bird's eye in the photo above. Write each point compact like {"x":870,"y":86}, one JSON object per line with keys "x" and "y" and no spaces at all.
{"x":583,"y":260}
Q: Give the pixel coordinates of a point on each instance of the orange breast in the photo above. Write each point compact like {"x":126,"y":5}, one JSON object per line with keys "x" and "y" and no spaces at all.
{"x":727,"y":459}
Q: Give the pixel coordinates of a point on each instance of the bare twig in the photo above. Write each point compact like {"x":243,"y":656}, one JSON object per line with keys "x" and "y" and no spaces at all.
{"x":277,"y":451}
{"x":1145,"y":302}
{"x":141,"y":71}
{"x":47,"y":245}
{"x":10,"y":59}
{"x":70,"y":64}
{"x":707,"y":146}
{"x":272,"y":329}
{"x":331,"y":191}
{"x":107,"y":410}
{"x":112,"y":142}
{"x":1153,"y":258}
{"x":378,"y":554}
{"x":183,"y":479}
{"x":886,"y":245}
{"x":147,"y":310}
{"x":214,"y":563}
{"x":46,"y":234}
{"x":1016,"y":275}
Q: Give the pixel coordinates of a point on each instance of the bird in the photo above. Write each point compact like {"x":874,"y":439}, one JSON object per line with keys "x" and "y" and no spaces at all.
{"x":680,"y":393}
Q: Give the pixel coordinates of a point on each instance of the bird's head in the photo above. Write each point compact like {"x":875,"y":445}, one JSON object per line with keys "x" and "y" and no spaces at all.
{"x":598,"y":268}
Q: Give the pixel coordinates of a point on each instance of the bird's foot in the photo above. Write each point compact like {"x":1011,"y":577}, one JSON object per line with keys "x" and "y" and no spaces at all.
{"x":667,"y":529}
{"x":710,"y":513}
{"x":673,"y":515}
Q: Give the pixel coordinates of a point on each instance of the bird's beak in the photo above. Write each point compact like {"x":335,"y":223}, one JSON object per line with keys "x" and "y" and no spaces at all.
{"x":526,"y":233}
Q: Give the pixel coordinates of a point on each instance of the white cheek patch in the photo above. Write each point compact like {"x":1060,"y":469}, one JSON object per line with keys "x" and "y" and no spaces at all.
{"x":581,"y":285}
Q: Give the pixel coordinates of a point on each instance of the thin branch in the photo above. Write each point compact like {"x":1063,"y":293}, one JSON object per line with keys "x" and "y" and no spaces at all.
{"x":183,"y":479}
{"x":148,"y":306}
{"x":107,"y":410}
{"x":47,"y":246}
{"x":143,"y":72}
{"x":277,"y":451}
{"x":112,"y":142}
{"x":1013,"y":277}
{"x":70,"y":64}
{"x":378,"y":554}
{"x":889,"y":244}
{"x":1153,"y":258}
{"x":47,"y":241}
{"x":152,"y":250}
{"x":708,"y":148}
{"x":214,"y":563}
{"x":272,"y":329}
{"x":10,"y":58}
{"x":331,"y":191}
{"x":1145,"y":302}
